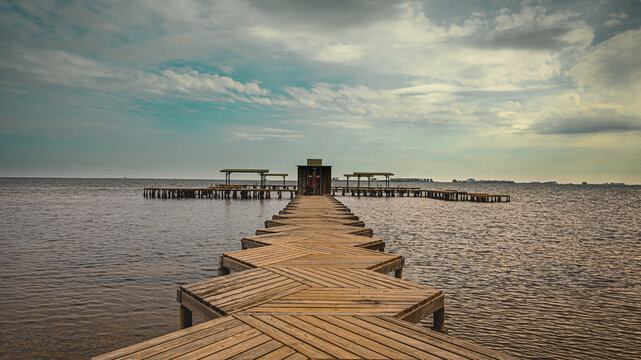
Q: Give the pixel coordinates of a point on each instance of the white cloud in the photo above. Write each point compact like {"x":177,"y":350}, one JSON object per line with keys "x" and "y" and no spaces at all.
{"x":68,"y":69}
{"x":194,"y":82}
{"x":255,"y":133}
{"x":476,"y":53}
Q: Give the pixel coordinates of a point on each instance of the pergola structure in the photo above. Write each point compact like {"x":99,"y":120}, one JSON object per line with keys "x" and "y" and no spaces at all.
{"x":348,"y":176}
{"x":283,"y":175}
{"x":261,"y":172}
{"x":369,"y":175}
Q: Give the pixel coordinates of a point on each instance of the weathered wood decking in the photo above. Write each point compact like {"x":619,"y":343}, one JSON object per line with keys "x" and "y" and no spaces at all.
{"x":257,"y":336}
{"x":312,"y":288}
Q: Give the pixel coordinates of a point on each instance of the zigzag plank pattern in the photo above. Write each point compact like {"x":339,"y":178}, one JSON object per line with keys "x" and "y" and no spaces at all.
{"x":312,"y":284}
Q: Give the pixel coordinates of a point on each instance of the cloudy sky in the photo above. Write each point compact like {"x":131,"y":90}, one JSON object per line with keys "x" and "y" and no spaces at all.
{"x":527,"y":91}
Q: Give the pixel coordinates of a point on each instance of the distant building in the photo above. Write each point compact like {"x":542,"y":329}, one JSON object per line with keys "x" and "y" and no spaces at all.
{"x":497,"y":181}
{"x":411,"y":180}
{"x":470,"y":180}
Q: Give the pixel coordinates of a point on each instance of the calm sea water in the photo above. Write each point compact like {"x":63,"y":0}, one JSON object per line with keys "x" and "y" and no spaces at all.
{"x":89,"y":266}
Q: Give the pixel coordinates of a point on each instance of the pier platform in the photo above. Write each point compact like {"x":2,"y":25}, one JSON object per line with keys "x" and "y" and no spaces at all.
{"x":313,"y":289}
{"x":301,"y":291}
{"x":294,"y":255}
{"x":448,"y":195}
{"x":219,"y":192}
{"x":255,"y":192}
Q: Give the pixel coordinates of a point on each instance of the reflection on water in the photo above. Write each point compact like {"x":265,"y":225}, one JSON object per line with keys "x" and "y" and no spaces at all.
{"x":89,"y":266}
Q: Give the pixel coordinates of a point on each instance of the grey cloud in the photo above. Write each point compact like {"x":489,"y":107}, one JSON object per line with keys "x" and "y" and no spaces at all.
{"x":537,"y":39}
{"x":613,"y":63}
{"x":328,"y":13}
{"x":605,"y":123}
{"x":527,"y":39}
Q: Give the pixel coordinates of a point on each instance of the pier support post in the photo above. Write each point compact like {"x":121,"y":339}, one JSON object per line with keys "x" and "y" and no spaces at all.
{"x":398,"y":273}
{"x":223,"y":271}
{"x":185,"y":317}
{"x":439,"y":321}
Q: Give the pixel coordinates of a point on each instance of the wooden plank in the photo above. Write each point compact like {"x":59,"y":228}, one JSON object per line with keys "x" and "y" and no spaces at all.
{"x":354,"y":337}
{"x":279,"y":354}
{"x":220,"y":345}
{"x":213,"y":324}
{"x":317,"y":238}
{"x":421,"y":310}
{"x":245,"y":346}
{"x":335,"y":274}
{"x":229,"y":281}
{"x":313,"y":222}
{"x":303,"y":336}
{"x":375,"y":334}
{"x":233,"y":264}
{"x":304,"y":276}
{"x":265,"y":325}
{"x":418,"y":346}
{"x":257,"y":301}
{"x":338,"y":340}
{"x":434,"y":336}
{"x":194,"y":346}
{"x":382,"y":281}
{"x":245,"y":291}
{"x":261,"y":350}
{"x":199,"y":308}
{"x":296,"y":356}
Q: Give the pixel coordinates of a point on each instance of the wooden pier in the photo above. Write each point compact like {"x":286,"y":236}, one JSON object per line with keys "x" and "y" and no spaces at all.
{"x":448,"y":195}
{"x":220,"y":192}
{"x":277,"y":191}
{"x":312,"y":285}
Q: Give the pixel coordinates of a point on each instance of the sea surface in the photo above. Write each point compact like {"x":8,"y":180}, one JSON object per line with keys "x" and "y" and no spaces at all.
{"x":89,"y":265}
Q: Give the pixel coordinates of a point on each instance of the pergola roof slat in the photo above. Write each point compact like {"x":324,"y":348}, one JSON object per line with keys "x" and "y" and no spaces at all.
{"x":245,"y":170}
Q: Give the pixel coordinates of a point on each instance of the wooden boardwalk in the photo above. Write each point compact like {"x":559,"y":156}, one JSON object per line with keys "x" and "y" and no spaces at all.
{"x":254,"y":192}
{"x":309,"y":287}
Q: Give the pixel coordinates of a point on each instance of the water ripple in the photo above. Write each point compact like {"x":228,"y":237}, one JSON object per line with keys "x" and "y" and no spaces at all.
{"x":89,"y":266}
{"x":553,"y":274}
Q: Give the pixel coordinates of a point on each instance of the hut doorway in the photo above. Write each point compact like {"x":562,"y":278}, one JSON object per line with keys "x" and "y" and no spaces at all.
{"x":314,"y":178}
